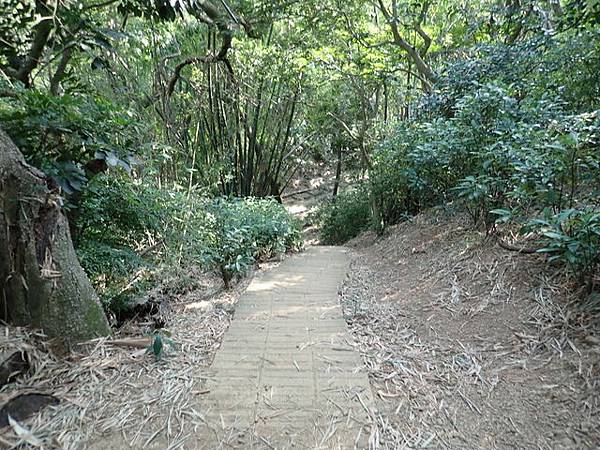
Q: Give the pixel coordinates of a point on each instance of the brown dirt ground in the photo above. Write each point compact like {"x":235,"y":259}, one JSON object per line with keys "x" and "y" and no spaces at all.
{"x":309,"y":190}
{"x":471,"y":346}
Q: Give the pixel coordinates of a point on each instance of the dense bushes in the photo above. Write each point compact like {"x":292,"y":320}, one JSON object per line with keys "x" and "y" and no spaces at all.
{"x":127,"y":231}
{"x":516,"y":142}
{"x":415,"y":167}
{"x":124,"y":227}
{"x":242,"y":231}
{"x":345,"y":217}
{"x":522,"y":159}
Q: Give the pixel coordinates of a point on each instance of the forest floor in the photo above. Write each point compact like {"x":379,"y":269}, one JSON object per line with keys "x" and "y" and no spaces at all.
{"x":115,"y":395}
{"x":468,"y":345}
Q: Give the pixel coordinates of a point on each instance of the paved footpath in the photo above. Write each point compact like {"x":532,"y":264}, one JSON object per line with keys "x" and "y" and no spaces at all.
{"x":285,"y":375}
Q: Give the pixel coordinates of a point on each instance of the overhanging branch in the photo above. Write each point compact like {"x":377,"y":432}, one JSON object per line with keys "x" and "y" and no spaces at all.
{"x":179,"y":67}
{"x":211,"y":15}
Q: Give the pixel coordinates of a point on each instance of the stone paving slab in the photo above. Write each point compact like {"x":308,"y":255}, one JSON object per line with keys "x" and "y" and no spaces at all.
{"x":285,"y":375}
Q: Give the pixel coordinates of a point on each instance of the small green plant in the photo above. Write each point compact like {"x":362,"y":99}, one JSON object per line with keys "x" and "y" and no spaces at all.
{"x":573,"y":238}
{"x":230,"y":251}
{"x":478,"y":195}
{"x":157,"y":347}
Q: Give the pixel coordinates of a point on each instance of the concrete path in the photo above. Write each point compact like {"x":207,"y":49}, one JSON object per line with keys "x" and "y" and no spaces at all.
{"x":285,"y":375}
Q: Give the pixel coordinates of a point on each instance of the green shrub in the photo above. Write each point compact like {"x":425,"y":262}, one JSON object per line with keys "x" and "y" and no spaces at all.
{"x":564,"y":66}
{"x":121,"y":219}
{"x":230,"y":250}
{"x":118,"y":210}
{"x":272,"y":229}
{"x":502,"y":134}
{"x":415,"y":166}
{"x":479,"y":196}
{"x":243,"y":231}
{"x":345,"y":217}
{"x":571,"y":237}
{"x":117,"y":220}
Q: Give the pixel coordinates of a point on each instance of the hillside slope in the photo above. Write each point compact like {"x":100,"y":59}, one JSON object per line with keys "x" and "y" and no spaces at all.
{"x":469,"y":345}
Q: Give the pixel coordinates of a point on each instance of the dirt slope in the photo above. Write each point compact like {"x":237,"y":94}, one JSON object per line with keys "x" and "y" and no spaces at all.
{"x":469,"y":345}
{"x":311,"y":188}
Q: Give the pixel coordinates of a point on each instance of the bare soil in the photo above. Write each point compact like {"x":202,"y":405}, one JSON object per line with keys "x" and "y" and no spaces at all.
{"x":469,"y":345}
{"x":310,"y":189}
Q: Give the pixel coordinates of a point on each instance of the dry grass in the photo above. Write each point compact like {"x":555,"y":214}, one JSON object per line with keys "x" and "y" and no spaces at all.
{"x":470,"y":346}
{"x":121,"y":394}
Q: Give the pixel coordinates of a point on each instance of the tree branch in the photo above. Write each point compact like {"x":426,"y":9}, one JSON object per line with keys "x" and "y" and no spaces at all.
{"x":61,"y":69}
{"x":99,"y":5}
{"x":223,"y":26}
{"x":42,"y":33}
{"x":179,"y":67}
{"x":426,"y":40}
{"x":514,"y":248}
{"x":422,"y":67}
{"x":351,"y":133}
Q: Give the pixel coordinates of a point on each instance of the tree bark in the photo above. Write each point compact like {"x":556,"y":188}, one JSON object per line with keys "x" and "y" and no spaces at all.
{"x":61,"y":70}
{"x":42,"y":283}
{"x":338,"y":170}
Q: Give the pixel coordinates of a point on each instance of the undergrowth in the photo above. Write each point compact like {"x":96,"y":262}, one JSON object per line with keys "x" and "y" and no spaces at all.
{"x":131,"y":236}
{"x":344,"y":217}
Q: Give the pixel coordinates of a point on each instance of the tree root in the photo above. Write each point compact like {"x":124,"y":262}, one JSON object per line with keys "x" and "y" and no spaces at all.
{"x":514,"y":248}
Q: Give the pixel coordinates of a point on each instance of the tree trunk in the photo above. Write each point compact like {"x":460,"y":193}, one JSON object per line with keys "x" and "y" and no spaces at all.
{"x":426,"y":74}
{"x":42,"y":283}
{"x":338,"y":170}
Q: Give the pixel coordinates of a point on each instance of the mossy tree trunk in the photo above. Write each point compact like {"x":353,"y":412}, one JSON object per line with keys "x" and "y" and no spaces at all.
{"x":42,"y":283}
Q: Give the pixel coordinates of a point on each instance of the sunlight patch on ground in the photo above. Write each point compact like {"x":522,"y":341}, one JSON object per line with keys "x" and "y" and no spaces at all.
{"x":297,"y":209}
{"x":201,"y":306}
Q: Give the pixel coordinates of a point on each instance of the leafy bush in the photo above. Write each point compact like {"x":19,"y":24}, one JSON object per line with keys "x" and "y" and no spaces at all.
{"x":243,"y":231}
{"x":503,"y":134}
{"x":346,"y":217}
{"x":121,"y":211}
{"x":420,"y":163}
{"x":563,"y":66}
{"x":61,"y":134}
{"x":571,"y":237}
{"x":479,"y":196}
{"x":415,"y":166}
{"x":117,"y":221}
{"x":230,"y":250}
{"x":127,"y":229}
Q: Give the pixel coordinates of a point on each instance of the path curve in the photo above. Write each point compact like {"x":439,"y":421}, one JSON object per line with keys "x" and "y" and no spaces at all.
{"x":286,"y":375}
